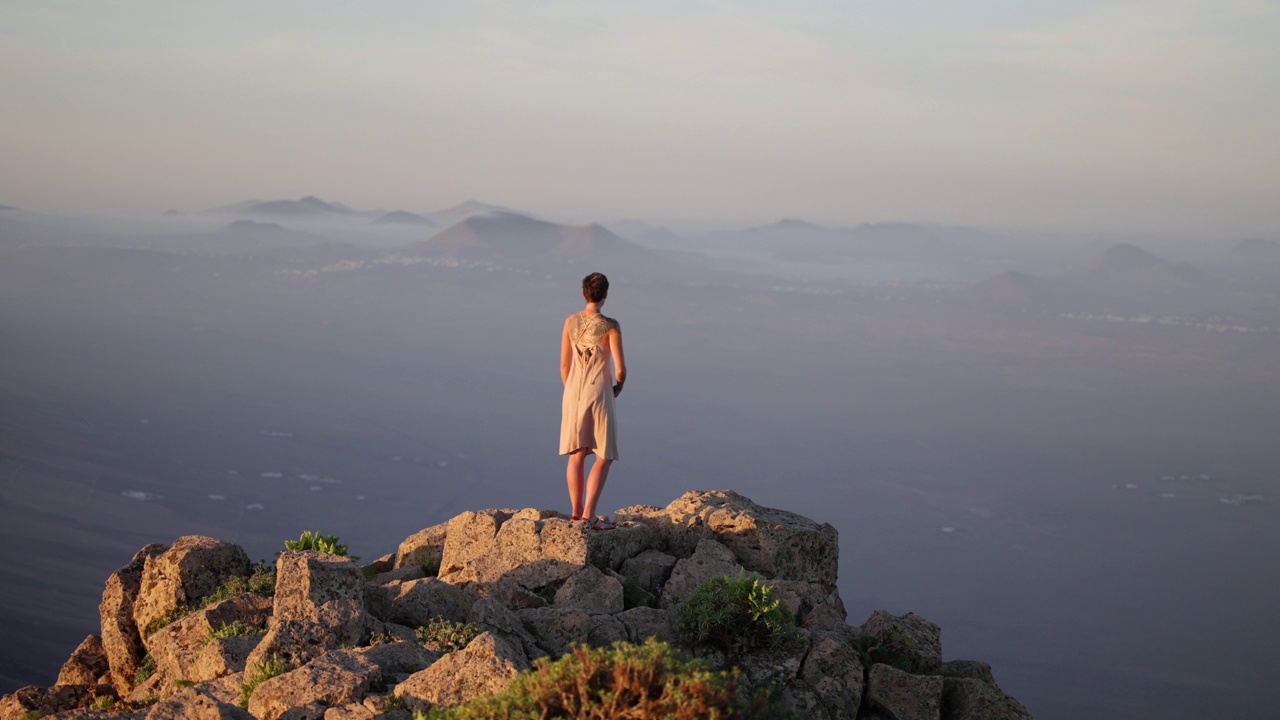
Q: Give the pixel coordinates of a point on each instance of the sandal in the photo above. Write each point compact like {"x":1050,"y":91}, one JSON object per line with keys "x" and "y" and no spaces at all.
{"x":601,"y":524}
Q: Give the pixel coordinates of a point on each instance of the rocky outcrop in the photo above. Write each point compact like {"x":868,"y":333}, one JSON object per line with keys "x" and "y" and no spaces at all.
{"x":339,"y":641}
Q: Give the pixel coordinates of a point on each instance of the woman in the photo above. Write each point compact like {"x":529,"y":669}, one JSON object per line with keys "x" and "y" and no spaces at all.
{"x":587,"y":345}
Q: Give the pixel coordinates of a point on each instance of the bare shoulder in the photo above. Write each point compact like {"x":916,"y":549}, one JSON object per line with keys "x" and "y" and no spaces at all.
{"x":611,"y":323}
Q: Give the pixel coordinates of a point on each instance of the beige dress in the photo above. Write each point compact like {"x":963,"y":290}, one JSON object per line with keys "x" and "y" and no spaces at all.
{"x":586,"y":418}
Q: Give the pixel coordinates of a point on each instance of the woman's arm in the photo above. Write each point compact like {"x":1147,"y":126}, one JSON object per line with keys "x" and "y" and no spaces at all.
{"x":619,"y":361}
{"x":566,"y":352}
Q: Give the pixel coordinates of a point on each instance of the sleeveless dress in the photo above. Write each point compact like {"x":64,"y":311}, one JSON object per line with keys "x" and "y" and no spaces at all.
{"x":586,"y":418}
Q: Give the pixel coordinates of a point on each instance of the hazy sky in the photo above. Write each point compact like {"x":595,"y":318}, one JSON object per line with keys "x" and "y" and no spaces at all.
{"x":1148,"y":116}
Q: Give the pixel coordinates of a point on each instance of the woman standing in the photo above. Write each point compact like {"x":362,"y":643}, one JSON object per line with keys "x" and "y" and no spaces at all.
{"x":588,"y":344}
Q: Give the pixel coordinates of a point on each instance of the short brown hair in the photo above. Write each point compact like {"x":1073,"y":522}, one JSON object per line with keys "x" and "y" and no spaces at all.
{"x":595,"y":287}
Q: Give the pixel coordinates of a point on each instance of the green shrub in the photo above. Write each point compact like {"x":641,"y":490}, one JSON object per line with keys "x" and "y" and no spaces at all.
{"x":430,"y":566}
{"x":446,"y":637}
{"x":732,"y":614}
{"x":235,"y":629}
{"x":146,"y":670}
{"x":315,"y":541}
{"x":627,"y":682}
{"x":102,"y":703}
{"x":261,"y":673}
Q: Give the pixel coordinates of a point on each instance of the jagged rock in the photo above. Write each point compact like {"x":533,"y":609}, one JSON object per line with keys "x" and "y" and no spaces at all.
{"x":974,"y":699}
{"x":404,"y":574}
{"x":45,"y":701}
{"x":319,"y":605}
{"x":592,"y":592}
{"x":501,"y":620}
{"x":532,"y":548}
{"x":555,"y":629}
{"x":798,"y":699}
{"x":903,"y":696}
{"x":710,"y":559}
{"x":537,"y":584}
{"x":418,"y":602}
{"x":969,"y":669}
{"x":487,"y":665}
{"x":191,"y":705}
{"x":354,"y":711}
{"x":834,"y":672}
{"x":384,"y":564}
{"x":337,"y":678}
{"x":87,"y":663}
{"x":649,"y":570}
{"x":191,"y":569}
{"x":121,"y":640}
{"x":775,"y":543}
{"x":814,"y":605}
{"x":184,"y":650}
{"x":223,"y":656}
{"x":426,"y":544}
{"x":643,"y":623}
{"x":907,"y":642}
{"x":396,"y":661}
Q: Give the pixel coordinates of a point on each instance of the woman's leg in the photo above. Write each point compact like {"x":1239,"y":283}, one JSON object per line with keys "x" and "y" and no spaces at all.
{"x":595,"y":484}
{"x":573,"y":473}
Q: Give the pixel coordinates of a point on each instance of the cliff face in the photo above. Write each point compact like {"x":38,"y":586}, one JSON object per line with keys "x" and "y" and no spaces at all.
{"x":499,"y":589}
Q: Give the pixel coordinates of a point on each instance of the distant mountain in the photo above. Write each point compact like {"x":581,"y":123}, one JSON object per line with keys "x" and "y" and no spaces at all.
{"x":1129,"y":263}
{"x":309,"y":206}
{"x":1015,"y":289}
{"x":401,"y":217}
{"x":519,"y":240}
{"x":465,"y":210}
{"x":7,"y":207}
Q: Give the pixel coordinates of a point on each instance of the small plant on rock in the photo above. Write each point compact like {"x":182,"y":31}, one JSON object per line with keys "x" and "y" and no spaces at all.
{"x":146,"y":670}
{"x":102,"y":703}
{"x":732,"y":614}
{"x":430,"y":566}
{"x":446,"y":637}
{"x":235,"y":629}
{"x":261,"y":673}
{"x":315,"y":541}
{"x":625,"y":681}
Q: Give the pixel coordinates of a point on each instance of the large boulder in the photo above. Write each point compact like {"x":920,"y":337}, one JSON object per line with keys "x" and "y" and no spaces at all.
{"x":425,"y":547}
{"x":592,"y":592}
{"x":973,"y":699}
{"x":532,"y":548}
{"x":319,"y":606}
{"x":193,"y":705}
{"x":36,"y":702}
{"x":907,"y":642}
{"x":190,"y":570}
{"x":87,"y":664}
{"x":904,"y":696}
{"x":557,"y":629}
{"x":709,"y":560}
{"x":338,"y":678}
{"x":486,"y":666}
{"x":418,"y":602}
{"x":775,"y":543}
{"x":187,"y":651}
{"x":121,"y":640}
{"x":834,"y":673}
{"x":649,"y":570}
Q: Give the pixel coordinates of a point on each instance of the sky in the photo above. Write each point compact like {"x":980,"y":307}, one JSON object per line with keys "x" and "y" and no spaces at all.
{"x":1128,"y":117}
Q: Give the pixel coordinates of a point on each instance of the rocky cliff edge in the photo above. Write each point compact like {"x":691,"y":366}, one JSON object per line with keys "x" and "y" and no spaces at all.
{"x":180,"y":624}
